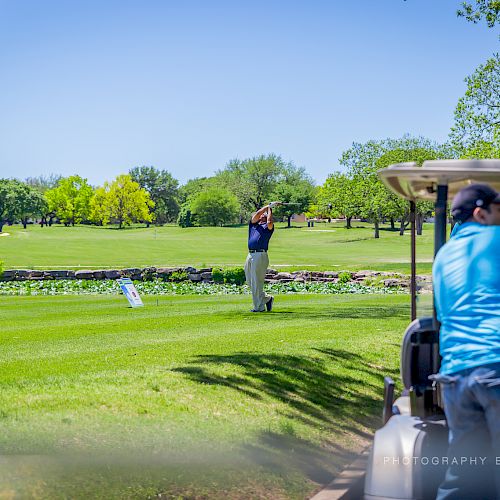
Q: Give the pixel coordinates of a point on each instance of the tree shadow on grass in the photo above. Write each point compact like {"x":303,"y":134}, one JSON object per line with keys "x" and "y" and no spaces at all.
{"x":332,"y":389}
{"x":328,"y":385}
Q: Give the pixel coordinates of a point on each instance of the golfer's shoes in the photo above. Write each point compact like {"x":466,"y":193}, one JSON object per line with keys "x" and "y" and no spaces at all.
{"x":255,"y":311}
{"x":269,"y":304}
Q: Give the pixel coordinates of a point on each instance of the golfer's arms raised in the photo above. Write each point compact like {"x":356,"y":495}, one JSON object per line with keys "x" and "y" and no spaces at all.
{"x":270,"y":223}
{"x":256,"y":215}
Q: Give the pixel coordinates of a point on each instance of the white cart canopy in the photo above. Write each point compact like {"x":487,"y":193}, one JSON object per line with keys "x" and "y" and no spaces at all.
{"x":412,"y":182}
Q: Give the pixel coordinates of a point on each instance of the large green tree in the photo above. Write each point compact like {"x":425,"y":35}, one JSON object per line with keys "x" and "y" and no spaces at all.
{"x":99,"y":206}
{"x":296,"y":187}
{"x":123,"y":201}
{"x":187,"y":194}
{"x":359,"y":161}
{"x":42,"y":184}
{"x":253,"y":180}
{"x":163,"y":190}
{"x":215,"y":207}
{"x":8,"y":200}
{"x":340,"y":196}
{"x":18,"y":201}
{"x":395,"y":206}
{"x":477,"y":114}
{"x":70,"y":200}
{"x":30,"y":203}
{"x":361,"y":164}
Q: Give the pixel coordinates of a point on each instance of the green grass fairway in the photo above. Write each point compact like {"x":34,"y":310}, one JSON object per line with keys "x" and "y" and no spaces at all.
{"x":326,"y":246}
{"x":189,"y":396}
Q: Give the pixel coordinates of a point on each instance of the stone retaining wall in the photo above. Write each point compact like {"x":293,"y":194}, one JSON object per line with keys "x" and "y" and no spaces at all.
{"x":205,"y":275}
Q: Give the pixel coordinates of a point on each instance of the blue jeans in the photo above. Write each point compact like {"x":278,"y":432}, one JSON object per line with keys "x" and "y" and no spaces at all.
{"x":472,"y":407}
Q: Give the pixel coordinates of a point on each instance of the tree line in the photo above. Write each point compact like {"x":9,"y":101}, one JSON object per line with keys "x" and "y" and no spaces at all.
{"x":149,"y":195}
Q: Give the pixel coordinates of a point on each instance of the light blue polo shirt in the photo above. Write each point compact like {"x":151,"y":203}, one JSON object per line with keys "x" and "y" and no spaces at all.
{"x":466,"y":277}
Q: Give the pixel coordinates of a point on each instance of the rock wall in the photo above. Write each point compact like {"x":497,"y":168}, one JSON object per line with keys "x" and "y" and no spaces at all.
{"x":205,"y":275}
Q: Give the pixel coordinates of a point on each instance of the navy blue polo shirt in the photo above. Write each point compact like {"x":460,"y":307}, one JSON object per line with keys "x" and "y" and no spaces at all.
{"x":259,"y":236}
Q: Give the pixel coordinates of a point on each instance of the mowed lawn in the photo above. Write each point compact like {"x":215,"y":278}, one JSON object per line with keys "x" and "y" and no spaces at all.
{"x":190,"y":396}
{"x":324,"y":247}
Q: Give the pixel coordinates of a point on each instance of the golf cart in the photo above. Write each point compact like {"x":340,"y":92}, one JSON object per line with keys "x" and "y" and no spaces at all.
{"x":405,"y":459}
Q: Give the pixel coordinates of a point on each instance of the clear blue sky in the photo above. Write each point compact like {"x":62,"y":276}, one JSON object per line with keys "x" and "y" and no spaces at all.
{"x":97,"y":87}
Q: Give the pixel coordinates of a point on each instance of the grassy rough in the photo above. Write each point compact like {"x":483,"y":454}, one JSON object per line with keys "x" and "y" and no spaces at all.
{"x":194,"y":397}
{"x":326,"y":246}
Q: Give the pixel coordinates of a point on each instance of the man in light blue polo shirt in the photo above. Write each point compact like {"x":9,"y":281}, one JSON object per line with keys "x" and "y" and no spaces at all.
{"x":466,"y":276}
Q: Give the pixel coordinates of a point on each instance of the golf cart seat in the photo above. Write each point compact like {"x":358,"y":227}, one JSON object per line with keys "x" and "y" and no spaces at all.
{"x":420,"y":359}
{"x":416,"y":352}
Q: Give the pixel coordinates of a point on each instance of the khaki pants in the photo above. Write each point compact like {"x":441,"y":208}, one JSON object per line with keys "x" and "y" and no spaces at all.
{"x":255,"y":273}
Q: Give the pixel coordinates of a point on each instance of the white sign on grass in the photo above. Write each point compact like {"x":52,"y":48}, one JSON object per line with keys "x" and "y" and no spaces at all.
{"x":130,"y":292}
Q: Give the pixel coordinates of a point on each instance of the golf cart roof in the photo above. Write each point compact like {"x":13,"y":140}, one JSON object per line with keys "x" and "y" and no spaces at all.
{"x":412,"y":182}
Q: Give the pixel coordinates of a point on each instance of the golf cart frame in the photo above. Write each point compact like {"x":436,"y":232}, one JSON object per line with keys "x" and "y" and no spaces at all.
{"x":402,"y":461}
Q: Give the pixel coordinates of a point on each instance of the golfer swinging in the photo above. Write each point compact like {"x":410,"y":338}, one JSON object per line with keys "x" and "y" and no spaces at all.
{"x":260,"y":230}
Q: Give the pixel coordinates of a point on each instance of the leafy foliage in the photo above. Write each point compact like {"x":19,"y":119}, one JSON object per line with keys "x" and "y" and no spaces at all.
{"x":99,"y":209}
{"x":215,"y":207}
{"x":295,"y":187}
{"x":8,"y":189}
{"x":218,"y":275}
{"x":194,"y":187}
{"x":253,"y":180}
{"x":489,"y":10}
{"x":483,"y":149}
{"x":235,"y":276}
{"x":477,"y":114}
{"x":363,"y":161}
{"x":128,"y":202}
{"x":395,"y":206}
{"x":70,"y":200}
{"x":42,"y":184}
{"x":18,"y":201}
{"x":29,"y":203}
{"x":178,"y":276}
{"x":186,"y":217}
{"x":344,"y":277}
{"x":123,"y":201}
{"x":187,"y":194}
{"x":163,"y":190}
{"x":339,"y":197}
